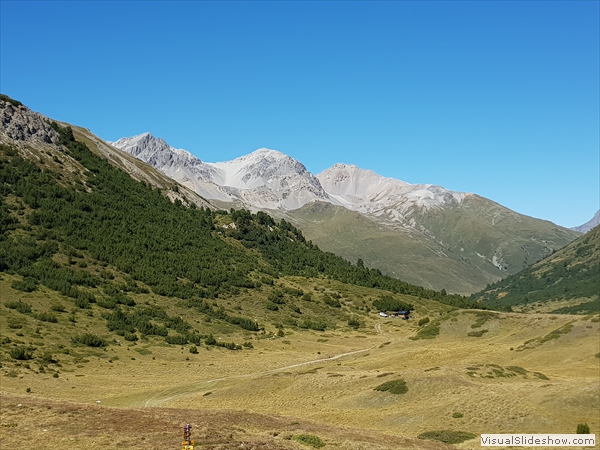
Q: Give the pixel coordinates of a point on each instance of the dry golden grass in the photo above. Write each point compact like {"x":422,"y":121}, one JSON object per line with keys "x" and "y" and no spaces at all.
{"x":496,"y":384}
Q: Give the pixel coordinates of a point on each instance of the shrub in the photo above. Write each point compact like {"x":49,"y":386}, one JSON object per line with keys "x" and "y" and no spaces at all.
{"x":46,"y":317}
{"x":334,"y":302}
{"x":423,"y":321}
{"x":48,"y":358}
{"x":354,"y":322}
{"x":193,"y":350}
{"x":23,"y":308}
{"x":389,"y":303}
{"x":130,"y":336}
{"x":309,"y":324}
{"x":447,"y":436}
{"x":395,"y":387}
{"x":309,"y":439}
{"x":21,"y":353}
{"x":10,"y":100}
{"x":26,"y":285}
{"x":457,"y":415}
{"x":177,"y":339}
{"x":583,"y":428}
{"x":82,"y":303}
{"x":89,"y":339}
{"x":477,"y":333}
{"x":276,"y":297}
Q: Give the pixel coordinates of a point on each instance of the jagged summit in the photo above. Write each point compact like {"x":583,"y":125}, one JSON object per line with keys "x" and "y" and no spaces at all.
{"x":147,"y":142}
{"x":260,"y":168}
{"x":263,"y":179}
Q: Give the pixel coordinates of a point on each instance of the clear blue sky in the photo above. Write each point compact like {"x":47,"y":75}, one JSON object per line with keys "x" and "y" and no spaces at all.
{"x":496,"y":98}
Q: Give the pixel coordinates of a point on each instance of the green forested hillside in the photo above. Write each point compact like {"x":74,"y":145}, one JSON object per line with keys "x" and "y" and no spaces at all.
{"x":176,"y":250}
{"x":74,"y":225}
{"x":566,"y":282}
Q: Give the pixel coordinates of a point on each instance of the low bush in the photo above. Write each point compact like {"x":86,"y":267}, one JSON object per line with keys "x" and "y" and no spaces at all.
{"x":132,"y":337}
{"x":23,"y":308}
{"x":46,"y":317}
{"x":21,"y":353}
{"x":89,"y":339}
{"x":389,"y":303}
{"x":310,"y":440}
{"x":177,"y":339}
{"x":428,"y":332}
{"x":25,"y":285}
{"x":333,"y":302}
{"x":478,"y":333}
{"x":312,"y":325}
{"x":354,"y":323}
{"x":395,"y":387}
{"x":447,"y":436}
{"x":48,"y":358}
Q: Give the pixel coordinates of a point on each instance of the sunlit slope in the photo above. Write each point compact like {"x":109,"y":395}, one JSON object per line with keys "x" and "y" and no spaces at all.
{"x":460,"y":248}
{"x":568,"y":281}
{"x":407,"y":254}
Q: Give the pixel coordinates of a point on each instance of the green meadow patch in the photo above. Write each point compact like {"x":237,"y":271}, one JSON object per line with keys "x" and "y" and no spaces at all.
{"x":395,"y":387}
{"x":447,"y":436}
{"x":310,"y":440}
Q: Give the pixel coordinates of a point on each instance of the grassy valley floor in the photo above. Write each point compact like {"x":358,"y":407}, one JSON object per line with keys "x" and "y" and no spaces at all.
{"x":472,"y":371}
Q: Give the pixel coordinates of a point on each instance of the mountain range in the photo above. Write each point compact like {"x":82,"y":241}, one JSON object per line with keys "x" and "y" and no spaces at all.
{"x":422,"y":233}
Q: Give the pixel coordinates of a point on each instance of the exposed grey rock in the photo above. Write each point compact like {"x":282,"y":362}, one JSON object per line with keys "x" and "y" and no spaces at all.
{"x":19,"y":123}
{"x":590,"y":224}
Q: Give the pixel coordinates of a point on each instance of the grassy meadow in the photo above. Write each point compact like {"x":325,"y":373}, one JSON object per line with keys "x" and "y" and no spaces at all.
{"x":464,"y":370}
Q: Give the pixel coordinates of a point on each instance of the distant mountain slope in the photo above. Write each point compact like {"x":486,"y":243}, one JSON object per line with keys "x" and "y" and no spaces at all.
{"x":568,"y":281}
{"x":386,"y":198}
{"x":590,"y":224}
{"x":460,"y":247}
{"x":421,"y":233}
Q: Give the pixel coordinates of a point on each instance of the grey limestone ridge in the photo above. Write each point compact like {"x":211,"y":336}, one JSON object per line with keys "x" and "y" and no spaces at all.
{"x":264,"y":179}
{"x":158,"y":153}
{"x":590,"y":224}
{"x":19,"y":123}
